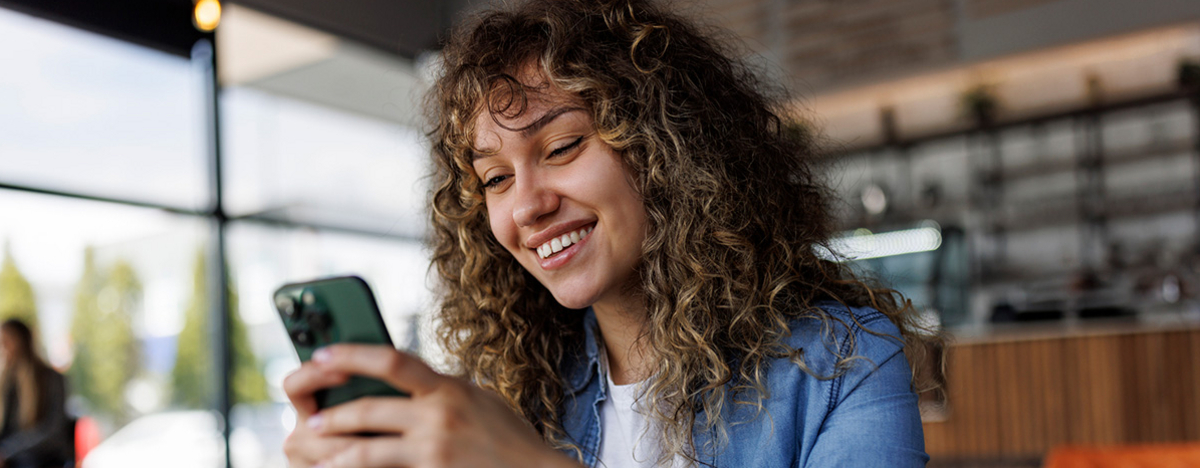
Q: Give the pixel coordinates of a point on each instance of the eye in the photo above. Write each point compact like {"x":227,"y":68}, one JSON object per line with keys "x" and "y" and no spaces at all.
{"x":494,"y":181}
{"x":566,"y":148}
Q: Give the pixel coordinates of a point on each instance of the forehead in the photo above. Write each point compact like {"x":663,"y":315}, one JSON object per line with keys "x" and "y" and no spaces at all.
{"x":506,"y":112}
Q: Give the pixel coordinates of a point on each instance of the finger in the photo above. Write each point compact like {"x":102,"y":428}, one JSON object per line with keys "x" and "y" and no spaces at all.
{"x":305,"y":449}
{"x":301,"y":384}
{"x":399,"y":369}
{"x":377,"y":452}
{"x":368,"y":414}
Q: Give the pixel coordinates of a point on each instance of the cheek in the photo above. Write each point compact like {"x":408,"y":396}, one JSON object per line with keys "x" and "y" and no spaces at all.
{"x":503,"y":227}
{"x":620,"y":190}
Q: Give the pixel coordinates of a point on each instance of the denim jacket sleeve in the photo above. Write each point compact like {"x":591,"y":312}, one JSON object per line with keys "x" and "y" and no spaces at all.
{"x":872,"y":417}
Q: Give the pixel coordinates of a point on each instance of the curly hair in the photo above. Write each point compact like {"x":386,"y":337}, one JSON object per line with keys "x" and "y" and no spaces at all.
{"x":737,"y":218}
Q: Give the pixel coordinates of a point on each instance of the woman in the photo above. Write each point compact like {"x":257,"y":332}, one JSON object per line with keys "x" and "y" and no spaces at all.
{"x":630,"y":242}
{"x":36,"y":432}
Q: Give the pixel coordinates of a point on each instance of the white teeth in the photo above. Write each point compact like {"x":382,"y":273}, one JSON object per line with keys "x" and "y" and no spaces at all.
{"x":557,"y":244}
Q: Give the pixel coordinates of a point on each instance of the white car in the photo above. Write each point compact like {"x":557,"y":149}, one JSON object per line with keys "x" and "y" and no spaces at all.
{"x":181,"y":439}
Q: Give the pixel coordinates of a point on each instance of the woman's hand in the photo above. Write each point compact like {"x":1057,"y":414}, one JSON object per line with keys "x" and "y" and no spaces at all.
{"x":447,"y":422}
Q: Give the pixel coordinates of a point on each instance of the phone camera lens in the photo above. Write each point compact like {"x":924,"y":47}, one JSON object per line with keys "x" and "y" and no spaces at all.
{"x":286,"y":305}
{"x":318,"y":319}
{"x":308,"y":298}
{"x":302,"y":337}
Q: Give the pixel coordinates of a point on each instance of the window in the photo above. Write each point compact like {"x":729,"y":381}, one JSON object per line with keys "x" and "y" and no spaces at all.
{"x":108,"y":230}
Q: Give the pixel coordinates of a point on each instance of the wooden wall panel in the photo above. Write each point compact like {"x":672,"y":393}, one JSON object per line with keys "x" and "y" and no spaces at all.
{"x":1176,"y":365}
{"x":1191,"y":409}
{"x":1103,"y":360}
{"x":1022,"y":398}
{"x":1053,"y":376}
{"x":1009,"y":401}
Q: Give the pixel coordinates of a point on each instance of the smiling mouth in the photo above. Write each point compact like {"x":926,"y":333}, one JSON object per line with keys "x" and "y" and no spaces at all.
{"x":558,"y":244}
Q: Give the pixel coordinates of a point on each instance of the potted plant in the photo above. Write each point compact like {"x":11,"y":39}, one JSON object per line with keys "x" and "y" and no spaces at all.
{"x":1189,"y":74}
{"x":979,"y":103}
{"x":798,"y":129}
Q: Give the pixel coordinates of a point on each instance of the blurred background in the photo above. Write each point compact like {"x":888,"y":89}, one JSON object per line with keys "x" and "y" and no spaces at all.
{"x":1026,"y":171}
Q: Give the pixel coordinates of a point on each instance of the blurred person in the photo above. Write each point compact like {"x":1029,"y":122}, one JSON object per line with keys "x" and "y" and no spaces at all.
{"x":36,"y":431}
{"x":630,"y":240}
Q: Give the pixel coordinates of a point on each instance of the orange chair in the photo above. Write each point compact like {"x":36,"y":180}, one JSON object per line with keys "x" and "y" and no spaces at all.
{"x":1133,"y":456}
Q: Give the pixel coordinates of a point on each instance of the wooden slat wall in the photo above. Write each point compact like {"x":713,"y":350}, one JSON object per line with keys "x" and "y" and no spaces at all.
{"x":1023,"y":398}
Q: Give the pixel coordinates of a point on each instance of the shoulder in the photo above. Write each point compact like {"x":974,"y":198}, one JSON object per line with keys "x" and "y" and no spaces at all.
{"x":51,"y":377}
{"x":49,"y":372}
{"x":831,"y":349}
{"x":833,"y":337}
{"x":865,"y":413}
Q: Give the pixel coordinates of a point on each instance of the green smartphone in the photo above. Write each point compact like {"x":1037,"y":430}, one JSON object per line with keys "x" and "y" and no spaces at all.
{"x":334,"y":310}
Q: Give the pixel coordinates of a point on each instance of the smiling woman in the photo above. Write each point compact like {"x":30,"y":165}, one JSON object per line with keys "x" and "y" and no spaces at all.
{"x":635,"y":270}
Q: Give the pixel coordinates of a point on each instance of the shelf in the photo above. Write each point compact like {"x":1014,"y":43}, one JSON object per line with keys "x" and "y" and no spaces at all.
{"x":909,"y":141}
{"x":1114,"y":159}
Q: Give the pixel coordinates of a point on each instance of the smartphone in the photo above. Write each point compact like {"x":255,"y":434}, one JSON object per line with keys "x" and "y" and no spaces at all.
{"x":334,"y":310}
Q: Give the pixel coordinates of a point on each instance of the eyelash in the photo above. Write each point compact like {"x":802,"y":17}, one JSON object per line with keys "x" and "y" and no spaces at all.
{"x":494,"y":181}
{"x":568,"y":147}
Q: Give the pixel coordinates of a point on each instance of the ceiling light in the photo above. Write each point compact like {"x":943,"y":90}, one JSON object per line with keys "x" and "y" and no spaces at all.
{"x":863,"y":244}
{"x":207,"y":15}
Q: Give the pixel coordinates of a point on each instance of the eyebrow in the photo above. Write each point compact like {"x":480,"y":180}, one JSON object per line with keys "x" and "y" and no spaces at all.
{"x":534,"y":126}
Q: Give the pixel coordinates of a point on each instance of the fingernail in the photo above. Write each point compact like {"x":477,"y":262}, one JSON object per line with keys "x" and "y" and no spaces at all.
{"x":321,"y":355}
{"x":314,"y":422}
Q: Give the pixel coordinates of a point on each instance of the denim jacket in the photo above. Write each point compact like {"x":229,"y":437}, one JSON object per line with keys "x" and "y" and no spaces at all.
{"x":865,"y":417}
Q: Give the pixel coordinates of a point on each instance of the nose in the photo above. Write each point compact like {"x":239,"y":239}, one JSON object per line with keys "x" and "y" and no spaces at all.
{"x":534,"y":200}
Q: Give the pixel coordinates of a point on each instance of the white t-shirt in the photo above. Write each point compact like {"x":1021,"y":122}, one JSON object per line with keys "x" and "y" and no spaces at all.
{"x":626,"y":441}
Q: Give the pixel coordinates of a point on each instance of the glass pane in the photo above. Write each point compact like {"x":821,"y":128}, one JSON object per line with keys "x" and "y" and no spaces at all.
{"x":114,"y":296}
{"x":303,"y":162}
{"x":264,"y":258}
{"x":319,"y":129}
{"x":85,"y":113}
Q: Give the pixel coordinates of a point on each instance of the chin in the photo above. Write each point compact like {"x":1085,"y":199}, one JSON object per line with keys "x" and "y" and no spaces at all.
{"x":573,"y":300}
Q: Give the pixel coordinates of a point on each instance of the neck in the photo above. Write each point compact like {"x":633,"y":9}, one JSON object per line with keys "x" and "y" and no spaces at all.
{"x":621,"y":326}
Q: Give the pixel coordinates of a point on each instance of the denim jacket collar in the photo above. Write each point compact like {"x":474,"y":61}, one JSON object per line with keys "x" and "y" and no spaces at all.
{"x":876,"y":422}
{"x":578,"y":372}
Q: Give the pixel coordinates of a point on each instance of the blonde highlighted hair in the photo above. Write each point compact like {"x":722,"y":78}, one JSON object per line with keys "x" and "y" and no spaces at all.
{"x":25,"y":371}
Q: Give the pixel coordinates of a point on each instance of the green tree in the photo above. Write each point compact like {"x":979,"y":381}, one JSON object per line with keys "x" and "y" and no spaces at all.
{"x":193,"y":378}
{"x":83,"y":322}
{"x":106,"y":352}
{"x":16,"y":295}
